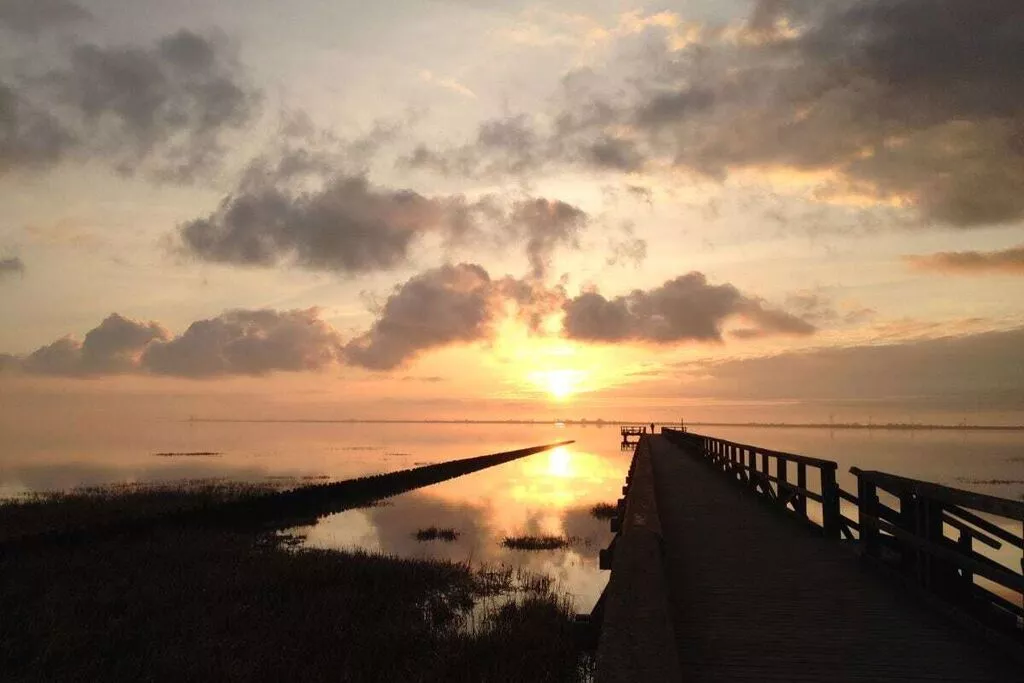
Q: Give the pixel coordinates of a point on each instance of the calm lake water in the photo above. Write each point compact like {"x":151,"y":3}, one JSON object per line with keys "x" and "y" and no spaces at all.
{"x":548,"y":493}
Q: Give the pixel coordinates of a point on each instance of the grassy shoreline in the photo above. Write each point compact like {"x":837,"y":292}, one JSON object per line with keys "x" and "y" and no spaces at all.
{"x":236,"y":603}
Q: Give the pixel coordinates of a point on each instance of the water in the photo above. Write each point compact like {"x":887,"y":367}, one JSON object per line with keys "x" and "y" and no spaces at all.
{"x":548,"y":493}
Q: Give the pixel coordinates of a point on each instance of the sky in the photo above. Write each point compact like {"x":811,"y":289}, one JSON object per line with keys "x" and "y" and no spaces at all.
{"x":739,"y":210}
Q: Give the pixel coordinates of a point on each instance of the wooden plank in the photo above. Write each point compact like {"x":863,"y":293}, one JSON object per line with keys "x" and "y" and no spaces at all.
{"x":756,"y":597}
{"x":637,"y":642}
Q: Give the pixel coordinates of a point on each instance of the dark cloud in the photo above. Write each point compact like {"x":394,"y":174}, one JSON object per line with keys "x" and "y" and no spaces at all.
{"x":686,"y":308}
{"x":446,"y":305}
{"x":916,"y":103}
{"x":161,"y":110}
{"x":62,"y":357}
{"x":348,"y":226}
{"x":115,"y":344}
{"x":29,"y":136}
{"x":959,"y":370}
{"x":33,"y":16}
{"x":905,"y":100}
{"x":237,"y":342}
{"x":545,"y":225}
{"x":616,"y":154}
{"x":1006,"y":261}
{"x":112,"y":347}
{"x":245,"y":342}
{"x":11,"y":266}
{"x":163,"y":107}
{"x":507,"y":145}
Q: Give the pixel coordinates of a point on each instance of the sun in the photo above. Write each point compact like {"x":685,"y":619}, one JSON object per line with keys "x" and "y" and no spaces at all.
{"x":559,"y":384}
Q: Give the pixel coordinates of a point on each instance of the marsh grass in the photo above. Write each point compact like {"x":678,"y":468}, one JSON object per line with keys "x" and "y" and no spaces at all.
{"x":234,"y":605}
{"x":603,"y":511}
{"x":433,"y":533}
{"x":92,"y":507}
{"x":539,"y":542}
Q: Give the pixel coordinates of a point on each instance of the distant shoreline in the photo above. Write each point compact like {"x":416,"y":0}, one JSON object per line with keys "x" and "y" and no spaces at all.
{"x":616,"y":423}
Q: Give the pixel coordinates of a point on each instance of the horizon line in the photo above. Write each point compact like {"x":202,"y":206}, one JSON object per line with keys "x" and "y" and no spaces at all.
{"x":599,"y":422}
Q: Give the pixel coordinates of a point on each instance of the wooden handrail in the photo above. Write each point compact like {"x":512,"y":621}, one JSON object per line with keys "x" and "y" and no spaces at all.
{"x":916,"y":536}
{"x":751,"y":465}
{"x":943,"y":494}
{"x":913,"y":536}
{"x":790,"y":457}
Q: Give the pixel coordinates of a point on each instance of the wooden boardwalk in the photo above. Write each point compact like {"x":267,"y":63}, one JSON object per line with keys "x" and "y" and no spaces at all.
{"x":754,"y":595}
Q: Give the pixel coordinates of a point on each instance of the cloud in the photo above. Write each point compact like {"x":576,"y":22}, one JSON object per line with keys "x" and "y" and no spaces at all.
{"x":452,"y":304}
{"x":1005,"y":261}
{"x":161,"y":110}
{"x":33,"y":16}
{"x":291,"y":208}
{"x":507,"y":145}
{"x":686,"y":308}
{"x":545,"y":225}
{"x":963,"y":371}
{"x":629,"y":250}
{"x":247,"y":342}
{"x":113,"y":347}
{"x":11,"y":266}
{"x":818,"y":309}
{"x":911,"y":103}
{"x":448,"y":84}
{"x":238,"y":342}
{"x":29,"y":136}
{"x":446,"y":305}
{"x":348,"y":226}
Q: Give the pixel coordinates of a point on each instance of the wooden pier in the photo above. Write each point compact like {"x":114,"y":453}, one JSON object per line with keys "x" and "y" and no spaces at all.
{"x":631,"y":435}
{"x":736,"y":563}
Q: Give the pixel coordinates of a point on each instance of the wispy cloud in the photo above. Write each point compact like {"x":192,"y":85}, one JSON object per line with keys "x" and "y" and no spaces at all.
{"x":1002,"y":261}
{"x":448,"y":84}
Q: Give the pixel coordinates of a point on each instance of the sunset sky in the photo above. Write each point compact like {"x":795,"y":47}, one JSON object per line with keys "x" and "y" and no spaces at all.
{"x":711,"y":210}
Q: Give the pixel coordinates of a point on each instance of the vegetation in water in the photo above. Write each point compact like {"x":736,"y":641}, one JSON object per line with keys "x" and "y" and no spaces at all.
{"x":604,"y":511}
{"x":433,"y":533}
{"x":233,"y":604}
{"x":538,"y":542}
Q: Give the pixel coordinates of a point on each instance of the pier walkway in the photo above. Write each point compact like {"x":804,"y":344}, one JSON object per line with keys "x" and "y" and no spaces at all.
{"x":736,"y":590}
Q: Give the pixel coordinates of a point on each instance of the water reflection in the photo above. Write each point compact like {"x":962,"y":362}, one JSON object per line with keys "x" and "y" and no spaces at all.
{"x":547,"y":494}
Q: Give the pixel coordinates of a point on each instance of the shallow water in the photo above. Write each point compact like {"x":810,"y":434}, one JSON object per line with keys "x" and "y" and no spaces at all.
{"x":549,"y":493}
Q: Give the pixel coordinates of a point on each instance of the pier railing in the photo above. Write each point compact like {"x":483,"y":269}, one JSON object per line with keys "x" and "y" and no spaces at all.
{"x":785,"y":479}
{"x":960,"y":546}
{"x":934,"y":534}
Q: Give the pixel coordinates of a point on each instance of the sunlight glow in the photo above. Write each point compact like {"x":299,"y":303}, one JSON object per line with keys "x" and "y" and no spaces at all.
{"x":560,"y":384}
{"x":560,"y":462}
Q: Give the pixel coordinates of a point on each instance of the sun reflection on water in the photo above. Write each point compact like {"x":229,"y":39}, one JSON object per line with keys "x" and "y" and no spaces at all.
{"x":560,"y":462}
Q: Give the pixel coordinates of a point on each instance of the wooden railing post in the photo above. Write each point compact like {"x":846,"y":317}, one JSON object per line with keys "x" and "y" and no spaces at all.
{"x":867,"y":497}
{"x":940,"y":574}
{"x":781,"y":487}
{"x":830,"y":518}
{"x":801,"y":481}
